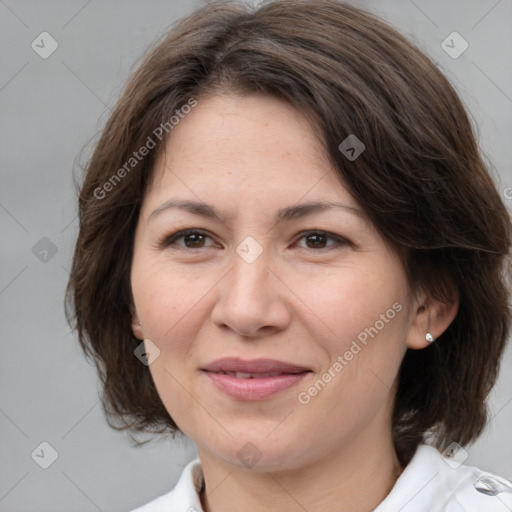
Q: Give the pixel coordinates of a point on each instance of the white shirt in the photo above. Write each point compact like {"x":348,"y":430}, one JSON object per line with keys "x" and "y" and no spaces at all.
{"x":428,"y":484}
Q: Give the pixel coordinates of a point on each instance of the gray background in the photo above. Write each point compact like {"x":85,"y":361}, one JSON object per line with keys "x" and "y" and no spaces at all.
{"x":50,"y":109}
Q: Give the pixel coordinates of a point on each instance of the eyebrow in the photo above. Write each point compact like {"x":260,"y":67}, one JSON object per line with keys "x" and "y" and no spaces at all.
{"x":284,"y":214}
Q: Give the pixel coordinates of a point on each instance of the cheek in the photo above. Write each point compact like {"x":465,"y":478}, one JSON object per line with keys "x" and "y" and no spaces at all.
{"x":361,"y":314}
{"x":168,"y":300}
{"x":347,"y":302}
{"x":169,"y":304}
{"x":172,"y":304}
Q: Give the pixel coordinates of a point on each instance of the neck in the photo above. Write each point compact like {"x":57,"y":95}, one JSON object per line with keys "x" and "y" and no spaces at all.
{"x":355,"y":478}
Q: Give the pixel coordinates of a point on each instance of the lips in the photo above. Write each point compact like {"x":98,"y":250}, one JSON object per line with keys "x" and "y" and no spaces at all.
{"x":246,"y":375}
{"x":256,"y":368}
{"x":259,"y":379}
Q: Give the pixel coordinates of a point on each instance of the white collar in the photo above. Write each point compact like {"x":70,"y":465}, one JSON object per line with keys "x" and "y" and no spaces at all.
{"x":428,"y":484}
{"x":431,"y":483}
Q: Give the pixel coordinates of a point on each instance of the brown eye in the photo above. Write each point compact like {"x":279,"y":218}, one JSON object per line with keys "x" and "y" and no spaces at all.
{"x":318,"y":240}
{"x":192,"y":239}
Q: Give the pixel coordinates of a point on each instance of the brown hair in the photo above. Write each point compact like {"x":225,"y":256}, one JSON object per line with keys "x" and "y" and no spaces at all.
{"x":421,"y":180}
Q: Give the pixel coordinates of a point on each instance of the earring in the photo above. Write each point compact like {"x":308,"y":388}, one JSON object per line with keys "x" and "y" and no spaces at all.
{"x":429,"y":336}
{"x":139,"y":323}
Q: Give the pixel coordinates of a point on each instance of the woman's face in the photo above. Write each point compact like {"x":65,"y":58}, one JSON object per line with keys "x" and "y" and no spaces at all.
{"x":317,"y":289}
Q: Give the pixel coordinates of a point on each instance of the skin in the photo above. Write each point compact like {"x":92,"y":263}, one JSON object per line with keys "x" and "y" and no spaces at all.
{"x":303,"y":300}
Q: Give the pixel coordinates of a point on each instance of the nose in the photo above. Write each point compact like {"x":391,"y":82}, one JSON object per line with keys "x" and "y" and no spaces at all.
{"x":252,"y":299}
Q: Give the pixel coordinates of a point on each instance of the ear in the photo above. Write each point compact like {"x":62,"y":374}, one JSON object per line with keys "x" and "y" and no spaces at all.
{"x":136,"y":324}
{"x":433,"y":316}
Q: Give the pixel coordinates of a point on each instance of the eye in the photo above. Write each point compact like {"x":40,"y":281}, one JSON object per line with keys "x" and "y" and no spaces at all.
{"x":196,"y":239}
{"x":192,"y":238}
{"x":318,"y":239}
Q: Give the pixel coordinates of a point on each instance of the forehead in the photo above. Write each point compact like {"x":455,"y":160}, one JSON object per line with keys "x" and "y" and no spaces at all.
{"x":246,"y":146}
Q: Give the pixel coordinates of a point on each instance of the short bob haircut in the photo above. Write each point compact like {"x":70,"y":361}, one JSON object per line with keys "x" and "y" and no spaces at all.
{"x":421,"y":180}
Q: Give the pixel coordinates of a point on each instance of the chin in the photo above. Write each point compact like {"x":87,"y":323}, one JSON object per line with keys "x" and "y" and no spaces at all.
{"x":259,"y":453}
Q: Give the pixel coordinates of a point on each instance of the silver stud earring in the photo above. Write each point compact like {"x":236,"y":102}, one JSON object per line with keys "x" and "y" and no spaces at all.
{"x":139,"y":323}
{"x":429,"y":336}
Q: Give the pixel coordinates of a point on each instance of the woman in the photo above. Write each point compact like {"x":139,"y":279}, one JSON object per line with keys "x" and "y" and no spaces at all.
{"x":287,"y":244}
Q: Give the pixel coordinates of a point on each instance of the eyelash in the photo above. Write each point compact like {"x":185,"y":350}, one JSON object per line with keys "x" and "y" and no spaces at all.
{"x":170,"y":240}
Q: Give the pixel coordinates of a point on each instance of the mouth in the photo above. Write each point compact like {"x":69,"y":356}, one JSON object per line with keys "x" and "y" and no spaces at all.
{"x":245,"y":375}
{"x":256,"y":367}
{"x":253,"y":380}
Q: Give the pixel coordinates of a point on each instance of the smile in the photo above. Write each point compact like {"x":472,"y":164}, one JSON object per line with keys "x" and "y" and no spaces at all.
{"x":257,"y":379}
